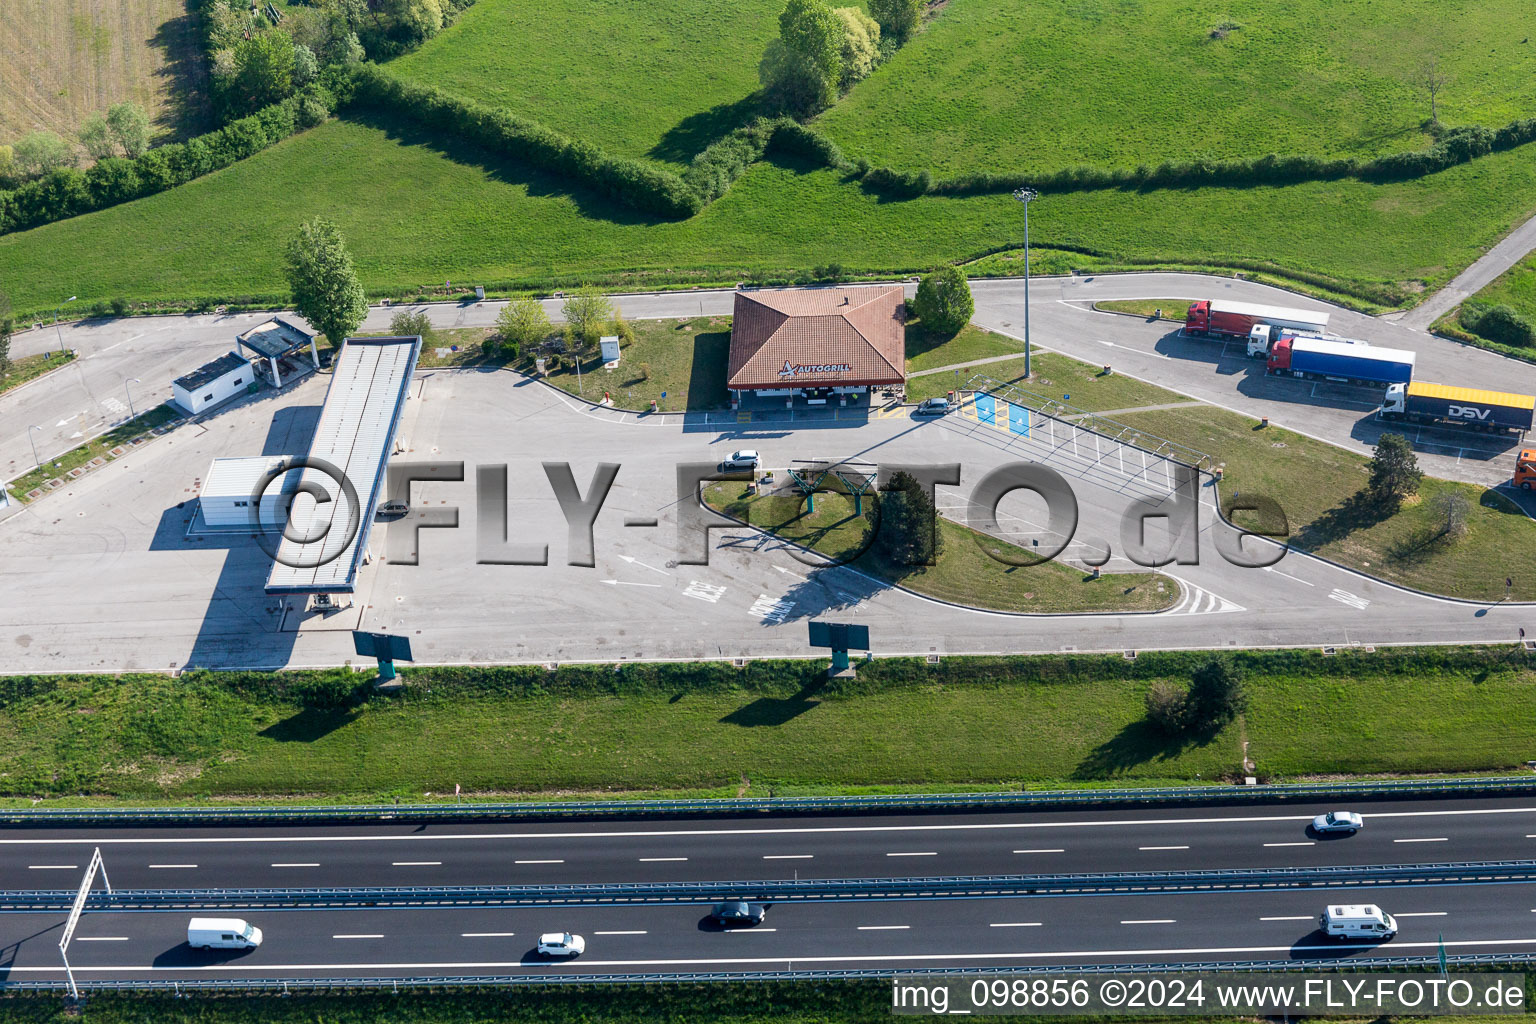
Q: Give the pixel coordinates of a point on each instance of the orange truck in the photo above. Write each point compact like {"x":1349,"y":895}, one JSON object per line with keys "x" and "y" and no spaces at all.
{"x":1525,"y":469}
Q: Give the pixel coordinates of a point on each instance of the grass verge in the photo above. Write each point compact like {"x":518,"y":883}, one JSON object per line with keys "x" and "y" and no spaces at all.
{"x":930,"y":350}
{"x":968,"y":570}
{"x":29,"y":368}
{"x":771,"y":727}
{"x":124,"y":434}
{"x":1160,"y":309}
{"x":678,"y":363}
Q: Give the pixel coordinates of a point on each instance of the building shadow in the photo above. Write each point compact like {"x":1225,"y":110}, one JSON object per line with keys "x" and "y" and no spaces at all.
{"x":291,"y":429}
{"x":771,"y":711}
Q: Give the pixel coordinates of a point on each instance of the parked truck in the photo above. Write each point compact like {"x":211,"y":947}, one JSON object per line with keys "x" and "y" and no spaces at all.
{"x":1341,"y":361}
{"x":1262,"y":337}
{"x":1525,"y":469}
{"x":1423,"y":402}
{"x":1218,"y":318}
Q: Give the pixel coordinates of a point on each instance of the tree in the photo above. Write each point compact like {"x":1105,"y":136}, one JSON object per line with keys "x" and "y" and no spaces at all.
{"x":898,"y":18}
{"x":7,"y":328}
{"x":522,"y":324}
{"x":40,"y":153}
{"x":586,"y":312}
{"x":861,"y":44}
{"x":1451,"y":507}
{"x":909,"y":524}
{"x":7,"y":164}
{"x":802,"y":68}
{"x":306,"y":67}
{"x":130,"y":128}
{"x":325,"y":288}
{"x":943,"y":301}
{"x":1216,"y":696}
{"x":1165,"y":707}
{"x":97,"y":139}
{"x":1395,"y":470}
{"x":406,"y":325}
{"x":1432,"y":81}
{"x":263,"y":71}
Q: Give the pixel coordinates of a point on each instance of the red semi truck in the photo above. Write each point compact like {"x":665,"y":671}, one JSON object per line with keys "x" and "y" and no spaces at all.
{"x":1218,"y":318}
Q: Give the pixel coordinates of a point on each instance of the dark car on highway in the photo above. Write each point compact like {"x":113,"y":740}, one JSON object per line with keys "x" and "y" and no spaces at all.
{"x":738,"y":912}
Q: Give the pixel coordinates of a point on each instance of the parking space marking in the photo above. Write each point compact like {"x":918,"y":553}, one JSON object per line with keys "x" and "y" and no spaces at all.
{"x":704,"y":591}
{"x":771,"y":610}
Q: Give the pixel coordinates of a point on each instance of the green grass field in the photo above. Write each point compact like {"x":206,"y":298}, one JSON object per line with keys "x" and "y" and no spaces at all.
{"x":659,"y":80}
{"x":414,"y":216}
{"x":772,"y":727}
{"x":1005,"y":85}
{"x":28,"y":368}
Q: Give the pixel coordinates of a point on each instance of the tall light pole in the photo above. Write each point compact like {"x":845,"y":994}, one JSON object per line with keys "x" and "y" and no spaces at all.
{"x":1024,"y":195}
{"x":35,"y":457}
{"x":126,"y":391}
{"x":56,"y":329}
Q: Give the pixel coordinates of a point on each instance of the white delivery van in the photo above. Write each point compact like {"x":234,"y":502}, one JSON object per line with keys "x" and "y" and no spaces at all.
{"x":1357,"y":921}
{"x":222,"y":933}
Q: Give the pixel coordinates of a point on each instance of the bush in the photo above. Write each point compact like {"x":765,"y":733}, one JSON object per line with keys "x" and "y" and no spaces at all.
{"x":861,"y":45}
{"x":910,"y":184}
{"x":943,"y":301}
{"x":1216,"y":696}
{"x":1165,"y":708}
{"x":521,"y":325}
{"x":405,"y":325}
{"x":119,"y":306}
{"x":1497,"y":323}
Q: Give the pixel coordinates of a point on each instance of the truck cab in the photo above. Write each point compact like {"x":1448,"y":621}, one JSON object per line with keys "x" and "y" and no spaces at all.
{"x":1259,"y":337}
{"x":1525,"y":469}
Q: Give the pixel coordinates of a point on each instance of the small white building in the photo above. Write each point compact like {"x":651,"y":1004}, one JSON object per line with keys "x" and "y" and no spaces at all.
{"x":213,"y":383}
{"x":228,"y":489}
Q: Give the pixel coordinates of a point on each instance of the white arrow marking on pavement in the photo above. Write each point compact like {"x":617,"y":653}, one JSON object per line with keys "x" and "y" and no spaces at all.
{"x":62,"y":423}
{"x":786,"y":572}
{"x":626,"y":583}
{"x":635,"y":561}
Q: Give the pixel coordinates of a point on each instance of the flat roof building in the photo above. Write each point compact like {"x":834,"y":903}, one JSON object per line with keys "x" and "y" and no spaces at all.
{"x":226,"y":498}
{"x":213,"y":383}
{"x":838,"y":340}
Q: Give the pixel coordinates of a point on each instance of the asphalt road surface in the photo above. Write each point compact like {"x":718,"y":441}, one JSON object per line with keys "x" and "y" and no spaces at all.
{"x":726,"y":849}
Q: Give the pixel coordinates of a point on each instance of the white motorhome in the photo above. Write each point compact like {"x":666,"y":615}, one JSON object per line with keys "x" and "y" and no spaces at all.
{"x":1357,"y":921}
{"x":222,"y":933}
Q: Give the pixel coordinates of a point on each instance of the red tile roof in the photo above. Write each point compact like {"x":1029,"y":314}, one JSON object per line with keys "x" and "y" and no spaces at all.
{"x":818,"y":337}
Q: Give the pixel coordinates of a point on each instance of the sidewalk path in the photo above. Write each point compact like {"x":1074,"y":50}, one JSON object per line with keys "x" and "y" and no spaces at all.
{"x":972,"y":362}
{"x":1472,"y":280}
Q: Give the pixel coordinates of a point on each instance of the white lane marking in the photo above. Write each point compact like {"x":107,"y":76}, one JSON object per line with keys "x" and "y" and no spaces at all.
{"x":1056,"y":850}
{"x":1424,"y":913}
{"x":1152,"y":920}
{"x":884,"y":927}
{"x":806,"y":830}
{"x":618,"y":933}
{"x":1353,"y":600}
{"x":1014,"y":924}
{"x":1162,"y":847}
{"x":1303,"y":917}
{"x":538,"y":862}
{"x":371,"y":936}
{"x":788,"y":856}
{"x":173,"y":865}
{"x":1290,"y":844}
{"x":1331,"y":947}
{"x":926,"y":853}
{"x":704,"y":591}
{"x":771,"y":610}
{"x":297,"y":864}
{"x":101,"y":938}
{"x":746,"y":931}
{"x":415,"y":863}
{"x":1439,"y":839}
{"x":660,"y":860}
{"x":486,"y":935}
{"x":52,"y":867}
{"x":1277,"y":572}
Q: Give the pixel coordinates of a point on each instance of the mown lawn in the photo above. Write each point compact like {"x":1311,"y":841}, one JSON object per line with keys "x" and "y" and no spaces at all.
{"x":680,"y":363}
{"x":968,"y":570}
{"x":770,"y":727}
{"x":414,"y":214}
{"x":660,"y":80}
{"x":28,"y":368}
{"x":1056,"y":377}
{"x":1167,"y":309}
{"x":1005,"y":85}
{"x":929,"y":350}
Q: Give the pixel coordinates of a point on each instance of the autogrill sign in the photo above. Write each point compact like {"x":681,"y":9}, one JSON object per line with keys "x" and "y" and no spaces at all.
{"x":795,"y":369}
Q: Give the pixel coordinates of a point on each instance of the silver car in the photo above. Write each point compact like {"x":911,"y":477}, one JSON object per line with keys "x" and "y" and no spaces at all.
{"x":747,"y":458}
{"x":1347,"y":822}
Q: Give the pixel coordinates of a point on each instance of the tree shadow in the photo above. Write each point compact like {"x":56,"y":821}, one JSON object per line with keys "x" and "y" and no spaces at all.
{"x":684,"y":140}
{"x":921,"y":340}
{"x":1357,"y":512}
{"x":308,"y":725}
{"x":771,"y":711}
{"x":184,"y":78}
{"x":1138,"y":743}
{"x":541,"y":184}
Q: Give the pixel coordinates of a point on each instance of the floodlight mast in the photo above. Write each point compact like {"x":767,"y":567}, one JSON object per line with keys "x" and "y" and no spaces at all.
{"x":75,"y":910}
{"x":1024,"y":195}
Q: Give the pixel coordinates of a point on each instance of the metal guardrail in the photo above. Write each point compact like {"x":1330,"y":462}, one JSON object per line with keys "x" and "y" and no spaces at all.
{"x":782,"y":890}
{"x":341,"y":984}
{"x":725,"y":806}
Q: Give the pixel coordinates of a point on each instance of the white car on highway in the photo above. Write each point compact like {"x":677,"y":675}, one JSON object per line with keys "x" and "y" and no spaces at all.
{"x":561,"y":944}
{"x":1347,"y":822}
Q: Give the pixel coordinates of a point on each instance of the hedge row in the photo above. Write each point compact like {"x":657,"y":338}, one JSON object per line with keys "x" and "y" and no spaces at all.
{"x":719,"y":164}
{"x":68,"y":192}
{"x":1498,"y":323}
{"x":627,"y":181}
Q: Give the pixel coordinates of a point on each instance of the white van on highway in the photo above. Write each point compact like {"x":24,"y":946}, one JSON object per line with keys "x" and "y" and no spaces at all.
{"x":222,"y":933}
{"x":1357,"y":921}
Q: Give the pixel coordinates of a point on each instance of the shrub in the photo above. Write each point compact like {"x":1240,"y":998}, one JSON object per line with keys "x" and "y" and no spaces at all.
{"x":1497,"y":323}
{"x":119,"y":306}
{"x":522,"y":324}
{"x":1165,"y":707}
{"x":406,"y":325}
{"x":861,"y":45}
{"x":909,"y":184}
{"x":1216,"y":696}
{"x":897,"y":18}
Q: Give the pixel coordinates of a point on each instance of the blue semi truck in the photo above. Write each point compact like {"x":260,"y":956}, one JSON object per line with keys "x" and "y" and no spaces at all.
{"x":1323,"y":359}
